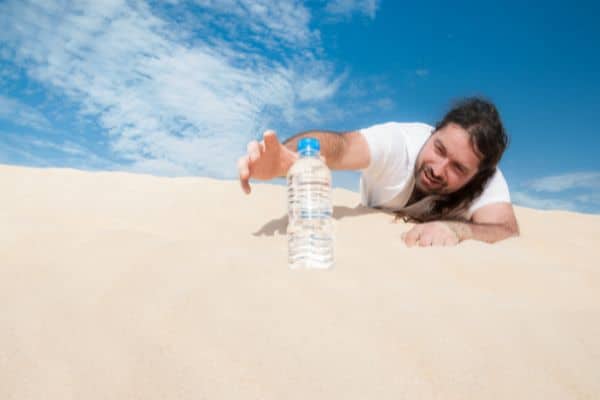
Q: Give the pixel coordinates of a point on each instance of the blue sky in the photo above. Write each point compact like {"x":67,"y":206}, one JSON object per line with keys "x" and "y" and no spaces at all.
{"x":179,"y":87}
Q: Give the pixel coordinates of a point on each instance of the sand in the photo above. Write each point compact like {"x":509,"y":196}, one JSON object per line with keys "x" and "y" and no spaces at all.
{"x":123,"y":286}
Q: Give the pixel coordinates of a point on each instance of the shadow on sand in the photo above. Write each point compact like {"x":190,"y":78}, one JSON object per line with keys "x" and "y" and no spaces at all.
{"x":279,"y":225}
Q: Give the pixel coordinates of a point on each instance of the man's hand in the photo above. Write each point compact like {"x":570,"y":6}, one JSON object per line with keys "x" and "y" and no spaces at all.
{"x":436,"y":233}
{"x":265,"y":160}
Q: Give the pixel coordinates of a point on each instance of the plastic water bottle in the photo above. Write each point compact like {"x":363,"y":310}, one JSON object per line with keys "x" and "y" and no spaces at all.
{"x":310,"y":225}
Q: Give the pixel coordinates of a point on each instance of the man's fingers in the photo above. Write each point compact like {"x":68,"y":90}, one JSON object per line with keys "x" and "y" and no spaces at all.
{"x":411,"y":237}
{"x":271,"y":141}
{"x":425,"y":240}
{"x":439,"y":241}
{"x":244,"y":173}
{"x":243,"y":170}
{"x":429,"y":234}
{"x":246,"y":187}
{"x":253,"y":150}
{"x":451,"y":241}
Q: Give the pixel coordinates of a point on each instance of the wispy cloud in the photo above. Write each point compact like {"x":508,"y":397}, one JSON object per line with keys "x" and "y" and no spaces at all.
{"x":319,"y":88}
{"x":284,"y":20}
{"x":590,"y":198}
{"x":559,"y":183}
{"x":10,"y":154}
{"x":32,"y":150}
{"x":66,"y":147}
{"x":346,"y":8}
{"x":171,"y":102}
{"x":578,"y":191}
{"x":22,"y":114}
{"x":539,"y":202}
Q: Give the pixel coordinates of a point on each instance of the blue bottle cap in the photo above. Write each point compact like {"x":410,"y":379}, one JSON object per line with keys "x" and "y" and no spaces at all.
{"x":309,"y":144}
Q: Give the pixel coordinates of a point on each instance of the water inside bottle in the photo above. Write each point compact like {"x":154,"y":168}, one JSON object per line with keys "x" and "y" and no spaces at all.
{"x":310,"y":227}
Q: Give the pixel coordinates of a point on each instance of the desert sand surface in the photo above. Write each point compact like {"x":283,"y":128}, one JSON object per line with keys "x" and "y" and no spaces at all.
{"x":124,"y":286}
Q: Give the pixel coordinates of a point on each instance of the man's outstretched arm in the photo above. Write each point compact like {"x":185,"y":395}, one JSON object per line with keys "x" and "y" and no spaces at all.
{"x":270,"y":158}
{"x":342,"y":151}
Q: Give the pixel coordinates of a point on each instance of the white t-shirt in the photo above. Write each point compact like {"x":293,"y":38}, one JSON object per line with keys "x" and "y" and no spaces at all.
{"x":389,"y":180}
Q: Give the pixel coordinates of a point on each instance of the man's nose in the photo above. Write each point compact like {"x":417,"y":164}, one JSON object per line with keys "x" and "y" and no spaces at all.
{"x":437,"y":170}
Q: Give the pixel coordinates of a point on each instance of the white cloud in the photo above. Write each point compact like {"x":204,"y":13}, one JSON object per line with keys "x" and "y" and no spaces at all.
{"x":58,"y":152}
{"x":559,"y":183}
{"x":66,"y":147}
{"x":318,"y":88}
{"x":533,"y":201}
{"x":590,"y":198}
{"x":286,"y":20}
{"x":9,"y":154}
{"x":7,"y":74}
{"x":578,"y":191}
{"x":22,"y":114}
{"x":346,"y":8}
{"x":166,"y":102}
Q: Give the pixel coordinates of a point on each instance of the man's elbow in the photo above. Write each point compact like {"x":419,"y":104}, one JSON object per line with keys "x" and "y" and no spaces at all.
{"x":510,"y":231}
{"x":514,"y":229}
{"x":502,"y":232}
{"x":510,"y":228}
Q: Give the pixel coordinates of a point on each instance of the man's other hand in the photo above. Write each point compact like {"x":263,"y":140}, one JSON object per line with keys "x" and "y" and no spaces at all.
{"x":436,"y":233}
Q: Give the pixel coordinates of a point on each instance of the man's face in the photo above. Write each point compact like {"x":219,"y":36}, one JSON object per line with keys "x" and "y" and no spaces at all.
{"x":446,"y":162}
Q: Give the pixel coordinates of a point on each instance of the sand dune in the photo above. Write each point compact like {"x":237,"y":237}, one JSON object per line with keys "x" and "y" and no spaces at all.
{"x":122,"y":286}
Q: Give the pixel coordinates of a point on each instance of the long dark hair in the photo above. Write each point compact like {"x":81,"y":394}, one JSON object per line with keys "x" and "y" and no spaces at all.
{"x":481,"y":120}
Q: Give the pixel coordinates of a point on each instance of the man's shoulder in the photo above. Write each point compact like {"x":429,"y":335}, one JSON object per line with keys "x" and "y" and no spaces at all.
{"x":495,"y":191}
{"x":405,"y":127}
{"x":397,"y":138}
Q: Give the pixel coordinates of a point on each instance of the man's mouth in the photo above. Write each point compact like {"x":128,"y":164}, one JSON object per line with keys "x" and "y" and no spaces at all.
{"x":429,"y":180}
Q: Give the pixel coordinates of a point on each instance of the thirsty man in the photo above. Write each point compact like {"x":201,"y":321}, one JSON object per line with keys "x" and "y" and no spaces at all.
{"x":444,"y":177}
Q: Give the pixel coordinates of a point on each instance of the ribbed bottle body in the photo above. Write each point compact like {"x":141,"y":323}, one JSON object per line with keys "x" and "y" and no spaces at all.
{"x":310,"y":225}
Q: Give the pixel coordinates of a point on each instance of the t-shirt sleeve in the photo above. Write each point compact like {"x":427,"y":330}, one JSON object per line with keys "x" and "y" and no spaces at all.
{"x":388,"y":164}
{"x":387,"y":147}
{"x":495,"y":191}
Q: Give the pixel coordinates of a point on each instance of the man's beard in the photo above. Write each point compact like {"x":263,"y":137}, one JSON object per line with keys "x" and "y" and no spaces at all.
{"x":435,"y":185}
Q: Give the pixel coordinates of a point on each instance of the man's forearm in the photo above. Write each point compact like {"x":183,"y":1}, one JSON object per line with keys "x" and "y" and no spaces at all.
{"x":332,"y":145}
{"x":489,"y":233}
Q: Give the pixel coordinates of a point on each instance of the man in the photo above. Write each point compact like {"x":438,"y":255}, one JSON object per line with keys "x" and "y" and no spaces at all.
{"x":444,"y":177}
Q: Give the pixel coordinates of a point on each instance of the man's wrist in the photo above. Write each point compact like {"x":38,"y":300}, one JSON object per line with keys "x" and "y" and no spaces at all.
{"x":287,"y":161}
{"x":462,"y":230}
